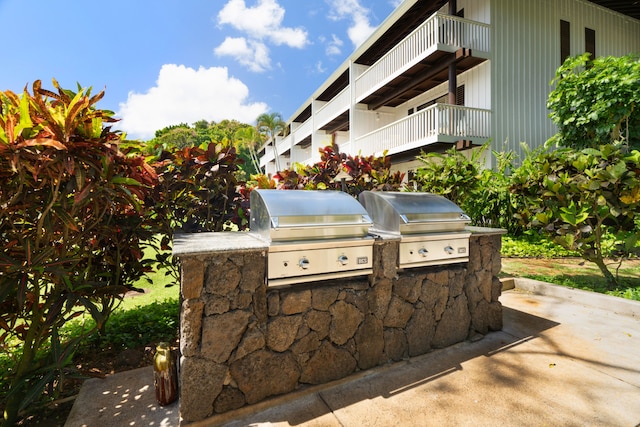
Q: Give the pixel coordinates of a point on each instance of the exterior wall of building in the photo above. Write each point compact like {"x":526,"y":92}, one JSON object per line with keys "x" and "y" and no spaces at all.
{"x":526,"y":53}
{"x":477,"y":10}
{"x":514,"y":83}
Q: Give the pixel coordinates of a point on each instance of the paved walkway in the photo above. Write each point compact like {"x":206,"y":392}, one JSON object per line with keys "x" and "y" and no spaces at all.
{"x":564,"y":357}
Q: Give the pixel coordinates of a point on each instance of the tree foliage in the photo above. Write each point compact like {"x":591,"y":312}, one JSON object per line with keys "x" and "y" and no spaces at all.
{"x":177,"y":137}
{"x":596,"y":102}
{"x":72,"y":226}
{"x":270,"y":125}
{"x":248,"y":138}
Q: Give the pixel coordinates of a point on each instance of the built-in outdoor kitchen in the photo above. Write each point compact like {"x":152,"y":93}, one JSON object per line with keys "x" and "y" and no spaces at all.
{"x":325,"y":285}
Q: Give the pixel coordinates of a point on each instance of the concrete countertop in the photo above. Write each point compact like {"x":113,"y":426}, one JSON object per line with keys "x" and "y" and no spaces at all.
{"x":485,"y":230}
{"x":227,"y":241}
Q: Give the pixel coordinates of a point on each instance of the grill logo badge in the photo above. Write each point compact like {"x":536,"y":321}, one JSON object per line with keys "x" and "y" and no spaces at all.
{"x":362,"y":260}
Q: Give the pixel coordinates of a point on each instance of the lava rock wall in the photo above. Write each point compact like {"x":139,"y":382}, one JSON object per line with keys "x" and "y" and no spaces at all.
{"x":242,"y":342}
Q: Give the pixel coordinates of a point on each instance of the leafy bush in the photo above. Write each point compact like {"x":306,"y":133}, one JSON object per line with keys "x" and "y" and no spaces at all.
{"x":533,"y":244}
{"x":579,"y":197}
{"x":72,"y":227}
{"x":152,"y":323}
{"x":365,"y":173}
{"x":481,"y":193}
{"x":197,"y":189}
{"x":450,"y":174}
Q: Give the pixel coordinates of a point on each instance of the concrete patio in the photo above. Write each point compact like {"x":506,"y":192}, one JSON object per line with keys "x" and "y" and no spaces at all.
{"x":564,"y":357}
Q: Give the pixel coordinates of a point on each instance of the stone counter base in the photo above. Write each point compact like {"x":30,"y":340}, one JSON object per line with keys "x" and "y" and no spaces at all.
{"x":242,"y":342}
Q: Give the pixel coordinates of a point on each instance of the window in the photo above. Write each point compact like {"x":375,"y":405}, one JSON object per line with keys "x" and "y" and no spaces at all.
{"x":565,"y":40}
{"x":460,"y":95}
{"x":590,"y":42}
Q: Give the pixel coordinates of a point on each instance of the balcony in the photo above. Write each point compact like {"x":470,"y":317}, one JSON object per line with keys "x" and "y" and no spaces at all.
{"x":301,"y":132}
{"x":420,"y":61}
{"x":283,"y":144}
{"x":302,"y":154}
{"x":333,"y":109}
{"x":268,"y":155}
{"x":439,"y":123}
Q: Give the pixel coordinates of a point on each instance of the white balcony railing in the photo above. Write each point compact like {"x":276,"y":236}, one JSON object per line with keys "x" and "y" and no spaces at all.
{"x":437,"y":123}
{"x":284,"y":144}
{"x":332,"y":109}
{"x":268,"y":155}
{"x":438,"y":32}
{"x":298,"y":134}
{"x":302,"y":131}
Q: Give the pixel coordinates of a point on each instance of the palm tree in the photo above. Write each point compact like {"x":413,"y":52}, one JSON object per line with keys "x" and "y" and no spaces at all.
{"x":250,"y":138}
{"x":271,"y":124}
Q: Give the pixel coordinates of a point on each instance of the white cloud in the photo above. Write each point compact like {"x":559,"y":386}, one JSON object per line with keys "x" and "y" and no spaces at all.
{"x":395,"y":3}
{"x":352,"y":10}
{"x":250,"y":53}
{"x":261,"y":24}
{"x":360,"y":30}
{"x":185,"y":95}
{"x":334,"y":46}
{"x":292,"y":37}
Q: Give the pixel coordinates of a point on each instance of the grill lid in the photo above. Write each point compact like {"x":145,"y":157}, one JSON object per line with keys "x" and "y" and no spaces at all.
{"x":412,"y":213}
{"x":307,"y":215}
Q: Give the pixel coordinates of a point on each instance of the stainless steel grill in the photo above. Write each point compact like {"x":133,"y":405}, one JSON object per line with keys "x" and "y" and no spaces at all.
{"x":431,"y":228}
{"x":313,"y":235}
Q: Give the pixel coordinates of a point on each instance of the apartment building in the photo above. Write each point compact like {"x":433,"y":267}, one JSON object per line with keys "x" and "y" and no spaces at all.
{"x":437,"y":74}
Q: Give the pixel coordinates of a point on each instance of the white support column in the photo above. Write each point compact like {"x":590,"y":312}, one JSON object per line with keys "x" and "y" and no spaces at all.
{"x":352,"y":108}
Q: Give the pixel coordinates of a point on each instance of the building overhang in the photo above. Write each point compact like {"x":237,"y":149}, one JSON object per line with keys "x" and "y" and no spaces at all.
{"x":629,"y":8}
{"x":426,"y":74}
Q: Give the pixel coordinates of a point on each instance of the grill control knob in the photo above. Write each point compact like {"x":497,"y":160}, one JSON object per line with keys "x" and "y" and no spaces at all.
{"x":343,"y":260}
{"x":303,"y":263}
{"x":423,"y":252}
{"x":449,"y":250}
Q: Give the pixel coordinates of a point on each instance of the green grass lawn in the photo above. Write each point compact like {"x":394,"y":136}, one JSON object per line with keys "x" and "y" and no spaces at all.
{"x":141,"y":317}
{"x":537,"y":258}
{"x":160,"y":288}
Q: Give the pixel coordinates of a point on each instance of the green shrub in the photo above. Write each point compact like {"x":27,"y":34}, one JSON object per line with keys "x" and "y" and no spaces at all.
{"x":365,"y":173}
{"x":72,"y":227}
{"x":138,"y":326}
{"x":481,"y":193}
{"x":578,"y":198}
{"x":197,"y":191}
{"x":533,"y":244}
{"x":595,"y":102}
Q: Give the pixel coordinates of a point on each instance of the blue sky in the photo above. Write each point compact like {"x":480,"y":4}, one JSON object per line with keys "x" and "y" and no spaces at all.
{"x":166,"y":62}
